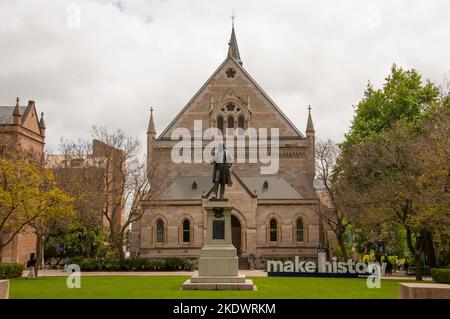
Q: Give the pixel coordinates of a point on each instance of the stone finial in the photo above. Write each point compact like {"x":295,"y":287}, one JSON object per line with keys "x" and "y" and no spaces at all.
{"x":41,"y":121}
{"x":17,"y":109}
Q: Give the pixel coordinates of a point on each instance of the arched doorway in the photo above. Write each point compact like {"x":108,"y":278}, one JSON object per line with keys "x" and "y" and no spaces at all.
{"x":236,"y":234}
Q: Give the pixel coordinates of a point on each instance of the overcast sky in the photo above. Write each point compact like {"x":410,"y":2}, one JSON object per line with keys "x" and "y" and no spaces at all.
{"x":117,"y":59}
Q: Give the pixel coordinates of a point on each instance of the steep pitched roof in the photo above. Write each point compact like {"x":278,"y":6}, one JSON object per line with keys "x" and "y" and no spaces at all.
{"x":277,"y":188}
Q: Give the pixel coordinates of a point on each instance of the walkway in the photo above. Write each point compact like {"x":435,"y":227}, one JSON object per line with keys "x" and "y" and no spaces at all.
{"x":249,"y":273}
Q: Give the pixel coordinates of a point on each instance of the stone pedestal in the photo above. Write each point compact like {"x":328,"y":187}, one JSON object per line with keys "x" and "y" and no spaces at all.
{"x":424,"y":291}
{"x":218,"y":262}
{"x":4,"y":289}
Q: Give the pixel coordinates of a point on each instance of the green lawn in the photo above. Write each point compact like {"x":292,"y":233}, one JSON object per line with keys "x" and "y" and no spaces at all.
{"x":169,"y":287}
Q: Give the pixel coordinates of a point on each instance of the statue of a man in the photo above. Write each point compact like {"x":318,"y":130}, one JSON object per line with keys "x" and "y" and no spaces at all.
{"x":222,"y":161}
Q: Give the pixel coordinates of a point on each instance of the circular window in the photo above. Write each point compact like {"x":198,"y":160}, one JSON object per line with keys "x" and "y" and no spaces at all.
{"x":230,"y":73}
{"x":230,"y":107}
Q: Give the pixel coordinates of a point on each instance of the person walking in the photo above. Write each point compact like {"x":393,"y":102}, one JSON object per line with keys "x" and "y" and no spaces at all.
{"x":406,"y":266}
{"x":30,"y":264}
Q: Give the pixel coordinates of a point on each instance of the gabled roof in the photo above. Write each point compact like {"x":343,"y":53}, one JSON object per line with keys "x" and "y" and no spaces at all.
{"x":250,"y":78}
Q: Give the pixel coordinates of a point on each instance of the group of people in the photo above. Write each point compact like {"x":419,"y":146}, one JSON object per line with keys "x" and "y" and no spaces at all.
{"x":31,"y":265}
{"x":402,"y":266}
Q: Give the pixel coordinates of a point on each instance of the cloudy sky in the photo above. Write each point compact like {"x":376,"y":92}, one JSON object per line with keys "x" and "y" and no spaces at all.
{"x":104,"y":62}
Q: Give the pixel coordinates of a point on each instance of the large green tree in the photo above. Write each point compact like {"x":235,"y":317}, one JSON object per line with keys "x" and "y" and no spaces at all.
{"x":394,"y":164}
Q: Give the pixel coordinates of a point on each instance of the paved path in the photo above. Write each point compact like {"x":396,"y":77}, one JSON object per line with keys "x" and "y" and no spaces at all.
{"x":55,"y":273}
{"x":249,"y":273}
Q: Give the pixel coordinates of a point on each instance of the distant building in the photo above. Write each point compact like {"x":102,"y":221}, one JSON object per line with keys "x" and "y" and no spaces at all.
{"x":21,"y":128}
{"x":90,"y":169}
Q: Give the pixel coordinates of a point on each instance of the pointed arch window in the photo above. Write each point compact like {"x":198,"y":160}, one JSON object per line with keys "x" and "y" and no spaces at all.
{"x":160,"y":231}
{"x":273,"y":230}
{"x":241,"y":124}
{"x":299,"y":232}
{"x":186,"y":231}
{"x":230,"y":125}
{"x":220,"y":123}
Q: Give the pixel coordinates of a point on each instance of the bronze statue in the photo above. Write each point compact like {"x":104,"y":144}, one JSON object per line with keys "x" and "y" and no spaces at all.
{"x":221,"y":173}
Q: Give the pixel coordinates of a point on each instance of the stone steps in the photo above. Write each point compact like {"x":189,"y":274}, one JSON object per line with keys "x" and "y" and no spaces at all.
{"x":243,"y":263}
{"x":246,"y":285}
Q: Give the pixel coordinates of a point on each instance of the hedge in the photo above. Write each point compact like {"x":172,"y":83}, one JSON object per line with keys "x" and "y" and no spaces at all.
{"x":441,"y":275}
{"x":137,"y":264}
{"x":10,"y":270}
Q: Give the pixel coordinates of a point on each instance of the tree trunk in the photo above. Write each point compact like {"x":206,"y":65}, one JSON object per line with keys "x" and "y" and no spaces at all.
{"x":340,"y":238}
{"x":429,"y":249}
{"x":119,"y":245}
{"x":415,"y":252}
{"x":121,"y":252}
{"x":38,"y":252}
{"x":418,"y":266}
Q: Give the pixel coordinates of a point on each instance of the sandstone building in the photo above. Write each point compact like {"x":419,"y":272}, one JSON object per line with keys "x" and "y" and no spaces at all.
{"x":274,"y":217}
{"x":21,"y":128}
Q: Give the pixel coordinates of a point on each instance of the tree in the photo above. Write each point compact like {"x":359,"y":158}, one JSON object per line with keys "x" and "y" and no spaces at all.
{"x":27,"y":193}
{"x":126,"y":181}
{"x":381,"y":170}
{"x":80,"y":174}
{"x":388,"y":178}
{"x":57,"y":210}
{"x":326,"y":155}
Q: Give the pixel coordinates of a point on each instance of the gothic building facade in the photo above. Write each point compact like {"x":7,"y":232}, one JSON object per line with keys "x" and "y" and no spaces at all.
{"x":275,"y":215}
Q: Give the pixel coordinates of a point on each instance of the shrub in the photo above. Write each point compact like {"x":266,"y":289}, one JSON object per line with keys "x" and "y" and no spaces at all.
{"x":137,"y":264}
{"x":441,"y":275}
{"x":10,"y":270}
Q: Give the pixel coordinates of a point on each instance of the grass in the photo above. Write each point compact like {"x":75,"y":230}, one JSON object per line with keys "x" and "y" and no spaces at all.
{"x":162,"y":287}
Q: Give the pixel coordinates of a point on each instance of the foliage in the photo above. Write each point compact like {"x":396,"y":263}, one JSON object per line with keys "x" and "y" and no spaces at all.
{"x":137,"y":264}
{"x":75,"y":243}
{"x":444,"y":250}
{"x":10,"y":270}
{"x":441,"y":276}
{"x":403,"y":97}
{"x":28,"y":194}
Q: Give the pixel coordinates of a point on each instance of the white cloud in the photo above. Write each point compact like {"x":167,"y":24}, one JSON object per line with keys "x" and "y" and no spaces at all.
{"x":130,"y":54}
